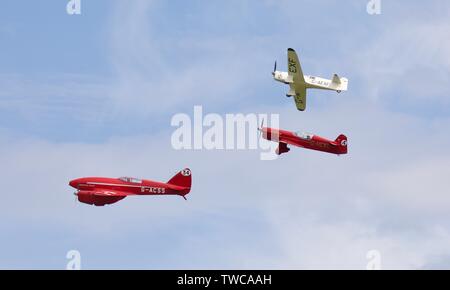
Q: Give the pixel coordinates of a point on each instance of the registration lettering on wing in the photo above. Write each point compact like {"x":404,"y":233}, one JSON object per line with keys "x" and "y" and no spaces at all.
{"x":292,"y":66}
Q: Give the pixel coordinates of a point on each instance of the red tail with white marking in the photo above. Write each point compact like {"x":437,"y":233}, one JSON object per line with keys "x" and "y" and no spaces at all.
{"x":341,"y":141}
{"x":182,"y":179}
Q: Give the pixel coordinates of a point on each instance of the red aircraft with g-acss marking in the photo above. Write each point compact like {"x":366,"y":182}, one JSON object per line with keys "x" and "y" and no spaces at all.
{"x":305,"y":140}
{"x":102,"y":190}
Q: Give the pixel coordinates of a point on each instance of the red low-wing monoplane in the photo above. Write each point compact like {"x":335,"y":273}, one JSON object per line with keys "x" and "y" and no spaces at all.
{"x":305,"y":140}
{"x":101,"y":190}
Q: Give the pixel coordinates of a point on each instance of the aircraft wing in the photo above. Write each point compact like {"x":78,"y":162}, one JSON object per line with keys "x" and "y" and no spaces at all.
{"x":107,"y":193}
{"x":100,"y":197}
{"x":287,"y":141}
{"x":300,"y":98}
{"x":294,"y":68}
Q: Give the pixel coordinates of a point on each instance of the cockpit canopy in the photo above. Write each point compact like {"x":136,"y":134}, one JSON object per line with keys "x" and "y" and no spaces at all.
{"x":130,"y":179}
{"x":304,"y":136}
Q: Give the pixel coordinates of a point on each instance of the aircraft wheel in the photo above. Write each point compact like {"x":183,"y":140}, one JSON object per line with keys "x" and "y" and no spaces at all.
{"x":338,"y":92}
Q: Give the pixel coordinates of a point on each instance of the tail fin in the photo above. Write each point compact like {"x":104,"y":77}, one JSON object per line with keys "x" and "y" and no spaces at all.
{"x":336,"y":79}
{"x":341,"y":141}
{"x":183,"y":179}
{"x":339,"y":84}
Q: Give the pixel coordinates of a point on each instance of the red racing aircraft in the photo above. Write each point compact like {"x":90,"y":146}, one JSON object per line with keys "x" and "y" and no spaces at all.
{"x":305,"y":140}
{"x":101,"y":190}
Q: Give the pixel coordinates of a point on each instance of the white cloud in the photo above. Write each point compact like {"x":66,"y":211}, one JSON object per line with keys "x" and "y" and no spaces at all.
{"x":314,"y":210}
{"x":424,"y":183}
{"x":153,"y":72}
{"x":407,"y":61}
{"x":39,"y":98}
{"x":305,"y":210}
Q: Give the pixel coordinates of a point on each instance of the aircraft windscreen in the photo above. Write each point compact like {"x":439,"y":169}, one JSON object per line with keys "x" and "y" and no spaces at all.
{"x":130,"y":179}
{"x":306,"y":136}
{"x":135,"y":180}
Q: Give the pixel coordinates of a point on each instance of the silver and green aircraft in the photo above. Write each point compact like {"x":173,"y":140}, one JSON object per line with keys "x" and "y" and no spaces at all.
{"x":299,"y":83}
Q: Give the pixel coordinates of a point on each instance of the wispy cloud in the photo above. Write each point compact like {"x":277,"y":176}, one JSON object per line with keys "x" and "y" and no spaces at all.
{"x":305,"y":210}
{"x":311,"y":210}
{"x":80,"y":97}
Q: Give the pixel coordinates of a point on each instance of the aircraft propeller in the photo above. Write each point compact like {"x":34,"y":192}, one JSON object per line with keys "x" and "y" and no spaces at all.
{"x":274,"y":68}
{"x":260,"y":128}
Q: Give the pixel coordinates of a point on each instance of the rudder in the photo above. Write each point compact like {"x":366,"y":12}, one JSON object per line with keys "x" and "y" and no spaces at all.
{"x":182,"y":178}
{"x":341,"y":141}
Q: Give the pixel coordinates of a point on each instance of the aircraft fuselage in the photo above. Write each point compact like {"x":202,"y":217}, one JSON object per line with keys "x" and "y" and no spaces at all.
{"x":131,"y":186}
{"x":311,"y":82}
{"x":305,"y":140}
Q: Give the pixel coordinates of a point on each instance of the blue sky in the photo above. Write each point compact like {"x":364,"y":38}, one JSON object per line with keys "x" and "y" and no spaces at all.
{"x":93,"y":94}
